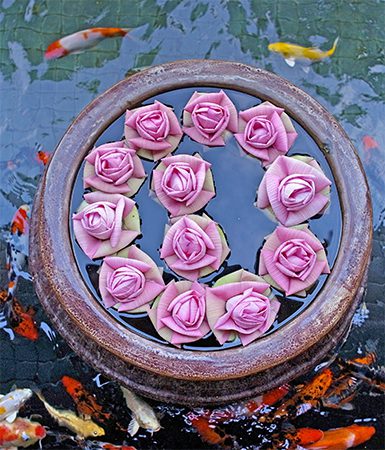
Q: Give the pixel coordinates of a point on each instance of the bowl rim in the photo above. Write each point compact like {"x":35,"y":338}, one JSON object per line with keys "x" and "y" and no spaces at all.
{"x":62,"y":279}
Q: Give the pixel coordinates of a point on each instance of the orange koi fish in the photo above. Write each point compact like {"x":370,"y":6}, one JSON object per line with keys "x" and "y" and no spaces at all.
{"x":85,"y":402}
{"x":20,"y":221}
{"x":341,"y":392}
{"x":20,"y":433}
{"x":20,"y":319}
{"x":81,"y":40}
{"x":43,"y":157}
{"x":209,"y":433}
{"x":369,"y":142}
{"x":246,"y":409}
{"x":107,"y":446}
{"x":343,"y":438}
{"x":307,"y":397}
{"x":365,"y":360}
{"x":306,"y":436}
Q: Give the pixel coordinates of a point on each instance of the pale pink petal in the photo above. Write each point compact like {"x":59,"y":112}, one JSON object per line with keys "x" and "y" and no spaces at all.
{"x":196,"y":136}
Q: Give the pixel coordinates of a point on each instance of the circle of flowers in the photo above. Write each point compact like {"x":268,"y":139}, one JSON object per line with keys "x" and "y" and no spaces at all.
{"x":264,"y":132}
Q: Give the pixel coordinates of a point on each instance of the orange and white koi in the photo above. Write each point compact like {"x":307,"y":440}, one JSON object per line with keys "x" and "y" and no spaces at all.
{"x":292,"y":52}
{"x":81,"y":40}
{"x":11,"y":403}
{"x":20,"y":221}
{"x":307,"y":397}
{"x":250,"y":407}
{"x":21,"y":433}
{"x":343,"y":438}
{"x":81,"y":427}
{"x":209,"y":433}
{"x":86,"y":403}
{"x":341,"y":392}
{"x":295,"y":439}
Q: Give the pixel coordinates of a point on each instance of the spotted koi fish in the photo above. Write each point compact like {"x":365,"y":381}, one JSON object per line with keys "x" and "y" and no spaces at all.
{"x":86,"y":403}
{"x":210,"y":433}
{"x":20,"y":433}
{"x":81,"y":40}
{"x":307,"y":397}
{"x":343,"y":438}
{"x":248,"y":408}
{"x":20,"y":221}
{"x":11,"y":403}
{"x":20,"y":319}
{"x":341,"y":392}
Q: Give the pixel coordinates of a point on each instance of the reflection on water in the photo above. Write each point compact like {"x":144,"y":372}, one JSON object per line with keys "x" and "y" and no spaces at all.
{"x":38,"y":101}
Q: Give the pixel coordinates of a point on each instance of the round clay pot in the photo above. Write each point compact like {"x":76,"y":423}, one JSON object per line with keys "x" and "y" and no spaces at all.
{"x":198,"y":377}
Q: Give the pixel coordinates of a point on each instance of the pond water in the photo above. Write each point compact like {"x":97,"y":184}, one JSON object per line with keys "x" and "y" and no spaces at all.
{"x":39,"y":99}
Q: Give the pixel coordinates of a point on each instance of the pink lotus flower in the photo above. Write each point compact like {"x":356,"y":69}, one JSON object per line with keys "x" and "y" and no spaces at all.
{"x":152,"y":130}
{"x":105,"y":223}
{"x":294,"y":189}
{"x":183,"y":183}
{"x":179,"y":314}
{"x":129,"y":280}
{"x":208,"y":117}
{"x":114,"y":168}
{"x":240,"y":304}
{"x":194,"y":246}
{"x":292,"y":259}
{"x":265,"y":131}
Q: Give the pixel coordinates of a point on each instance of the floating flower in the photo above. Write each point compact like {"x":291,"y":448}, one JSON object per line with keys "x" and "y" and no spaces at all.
{"x":105,"y":223}
{"x":292,"y":259}
{"x":294,"y":189}
{"x":266,"y":132}
{"x":183,"y":183}
{"x":194,"y":246}
{"x":240,"y":304}
{"x":129,"y":280}
{"x":115,"y":169}
{"x":152,"y":130}
{"x":179,"y":314}
{"x":208,"y":117}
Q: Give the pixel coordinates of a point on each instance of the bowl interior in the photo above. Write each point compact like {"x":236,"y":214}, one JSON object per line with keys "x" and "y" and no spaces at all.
{"x":237,"y":177}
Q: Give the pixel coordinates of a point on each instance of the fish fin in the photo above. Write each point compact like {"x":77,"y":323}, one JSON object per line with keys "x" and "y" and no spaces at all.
{"x":133,"y":427}
{"x":347,"y":407}
{"x":11,"y":418}
{"x":333,"y":49}
{"x":290,"y":62}
{"x":306,"y":69}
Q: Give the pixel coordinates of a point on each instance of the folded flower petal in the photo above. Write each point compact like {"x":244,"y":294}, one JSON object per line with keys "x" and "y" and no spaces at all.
{"x":183,"y":183}
{"x":105,"y":223}
{"x":209,"y":117}
{"x":265,"y":131}
{"x":179,"y":314}
{"x":292,"y":259}
{"x":153,"y":131}
{"x":113,"y":168}
{"x":129,"y":280}
{"x":294,"y":189}
{"x":194,"y":246}
{"x":240,"y":304}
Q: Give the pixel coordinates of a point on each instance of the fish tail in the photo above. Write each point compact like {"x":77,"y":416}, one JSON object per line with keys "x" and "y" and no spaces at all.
{"x":333,"y":49}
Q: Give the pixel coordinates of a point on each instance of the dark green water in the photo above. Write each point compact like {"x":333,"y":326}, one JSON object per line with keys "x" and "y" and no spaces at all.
{"x":39,"y":99}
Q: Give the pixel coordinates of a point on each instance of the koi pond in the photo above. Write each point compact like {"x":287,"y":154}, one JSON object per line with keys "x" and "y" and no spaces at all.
{"x":40,"y":97}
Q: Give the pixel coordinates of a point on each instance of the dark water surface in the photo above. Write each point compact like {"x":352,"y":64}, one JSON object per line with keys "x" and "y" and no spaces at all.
{"x":237,"y":177}
{"x":39,"y":99}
